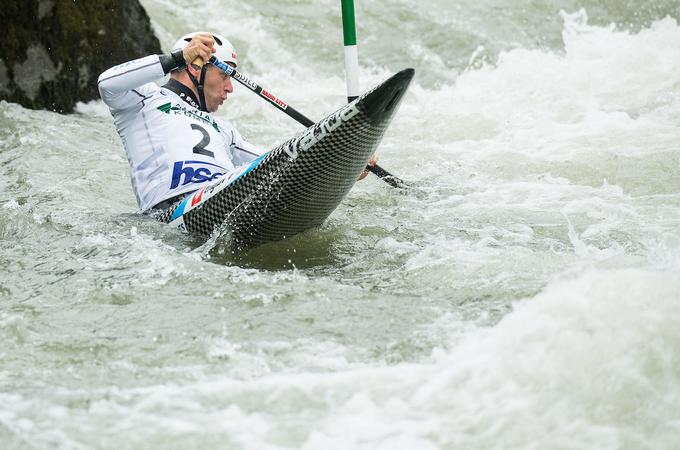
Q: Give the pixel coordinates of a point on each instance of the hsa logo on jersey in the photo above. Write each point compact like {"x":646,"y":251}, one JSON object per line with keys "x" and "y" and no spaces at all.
{"x":185,"y":172}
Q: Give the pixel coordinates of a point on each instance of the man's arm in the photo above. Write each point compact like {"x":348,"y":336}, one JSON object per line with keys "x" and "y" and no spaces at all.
{"x":118,"y":86}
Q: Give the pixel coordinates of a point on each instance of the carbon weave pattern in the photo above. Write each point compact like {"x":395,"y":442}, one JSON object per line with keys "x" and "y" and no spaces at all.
{"x":284,"y":196}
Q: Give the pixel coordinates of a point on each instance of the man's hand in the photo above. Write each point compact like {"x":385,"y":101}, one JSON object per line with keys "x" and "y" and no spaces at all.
{"x":201,"y":46}
{"x":373,"y":161}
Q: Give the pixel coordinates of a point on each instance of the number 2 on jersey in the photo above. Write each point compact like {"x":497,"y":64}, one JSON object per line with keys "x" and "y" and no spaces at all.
{"x":200,"y":147}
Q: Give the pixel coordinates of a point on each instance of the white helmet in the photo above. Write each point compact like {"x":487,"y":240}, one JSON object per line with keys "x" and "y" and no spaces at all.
{"x":225,"y":51}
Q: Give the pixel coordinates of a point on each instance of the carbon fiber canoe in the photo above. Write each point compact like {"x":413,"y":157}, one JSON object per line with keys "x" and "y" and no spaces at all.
{"x":297,"y":185}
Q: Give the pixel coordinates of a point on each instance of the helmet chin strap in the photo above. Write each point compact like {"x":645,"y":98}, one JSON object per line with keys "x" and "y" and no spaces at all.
{"x":199,"y":86}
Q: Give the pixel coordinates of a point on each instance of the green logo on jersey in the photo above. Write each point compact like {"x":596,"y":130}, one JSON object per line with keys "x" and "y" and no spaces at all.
{"x":165,"y":108}
{"x":168,"y":108}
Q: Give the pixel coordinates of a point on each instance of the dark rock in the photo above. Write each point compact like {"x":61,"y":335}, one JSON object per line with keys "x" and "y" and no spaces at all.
{"x":52,"y":51}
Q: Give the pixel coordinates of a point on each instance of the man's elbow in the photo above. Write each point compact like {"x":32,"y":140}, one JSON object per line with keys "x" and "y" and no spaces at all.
{"x":104,"y":86}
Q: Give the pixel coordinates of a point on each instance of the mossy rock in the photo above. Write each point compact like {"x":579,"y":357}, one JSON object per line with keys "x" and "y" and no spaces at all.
{"x":52,"y":51}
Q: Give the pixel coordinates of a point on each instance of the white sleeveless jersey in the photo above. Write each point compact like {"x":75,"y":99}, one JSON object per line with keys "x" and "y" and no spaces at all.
{"x":172,"y":146}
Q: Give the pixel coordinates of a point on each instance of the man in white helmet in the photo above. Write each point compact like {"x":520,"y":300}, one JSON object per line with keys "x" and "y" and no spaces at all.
{"x":173,"y":142}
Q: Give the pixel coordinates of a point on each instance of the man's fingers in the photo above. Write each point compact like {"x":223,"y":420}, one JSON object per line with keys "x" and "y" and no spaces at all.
{"x":372,"y":162}
{"x":201,"y":46}
{"x":205,"y":52}
{"x":205,"y":38}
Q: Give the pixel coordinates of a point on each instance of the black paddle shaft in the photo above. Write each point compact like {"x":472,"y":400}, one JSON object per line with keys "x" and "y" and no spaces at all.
{"x":307,"y":122}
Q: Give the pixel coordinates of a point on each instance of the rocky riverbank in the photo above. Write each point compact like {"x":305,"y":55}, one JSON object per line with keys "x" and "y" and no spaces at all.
{"x":52,"y":51}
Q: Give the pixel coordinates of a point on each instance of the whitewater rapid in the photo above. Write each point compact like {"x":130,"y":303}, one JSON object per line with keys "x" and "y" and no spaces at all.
{"x":526,"y":296}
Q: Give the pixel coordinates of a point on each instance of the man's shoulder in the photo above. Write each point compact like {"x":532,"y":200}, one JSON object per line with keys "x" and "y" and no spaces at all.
{"x":158,"y":96}
{"x":147,"y":89}
{"x":182,"y":98}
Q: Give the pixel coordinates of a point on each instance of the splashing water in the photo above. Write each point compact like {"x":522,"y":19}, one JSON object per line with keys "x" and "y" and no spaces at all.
{"x":527,"y":298}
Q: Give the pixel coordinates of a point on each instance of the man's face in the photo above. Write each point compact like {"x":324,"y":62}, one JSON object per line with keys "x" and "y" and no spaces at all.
{"x":216,"y":87}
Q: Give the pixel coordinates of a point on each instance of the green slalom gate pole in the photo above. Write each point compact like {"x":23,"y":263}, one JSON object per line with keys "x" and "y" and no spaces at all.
{"x":349,"y":32}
